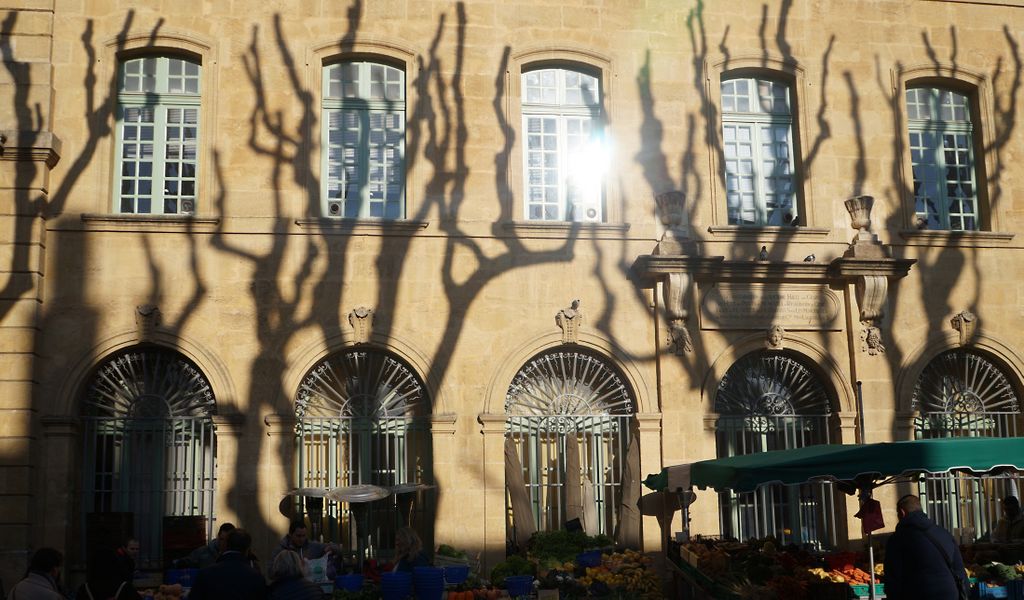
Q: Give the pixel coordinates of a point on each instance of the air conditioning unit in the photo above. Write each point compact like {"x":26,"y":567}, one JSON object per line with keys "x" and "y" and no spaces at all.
{"x":586,"y":211}
{"x":188,"y":206}
{"x":334,"y":208}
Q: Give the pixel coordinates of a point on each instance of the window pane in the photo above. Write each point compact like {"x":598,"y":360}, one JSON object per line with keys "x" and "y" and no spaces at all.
{"x":941,"y":158}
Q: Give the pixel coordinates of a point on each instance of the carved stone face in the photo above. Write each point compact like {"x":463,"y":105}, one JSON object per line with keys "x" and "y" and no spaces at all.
{"x":775,"y":335}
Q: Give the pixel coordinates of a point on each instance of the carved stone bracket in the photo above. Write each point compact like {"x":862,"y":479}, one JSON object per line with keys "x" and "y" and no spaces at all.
{"x":675,"y":288}
{"x":965,"y":323}
{"x":147,"y":320}
{"x":569,"y":320}
{"x":361,"y":320}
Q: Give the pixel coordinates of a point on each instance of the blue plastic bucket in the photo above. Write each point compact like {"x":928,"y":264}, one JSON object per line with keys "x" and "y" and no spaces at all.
{"x":519,"y":585}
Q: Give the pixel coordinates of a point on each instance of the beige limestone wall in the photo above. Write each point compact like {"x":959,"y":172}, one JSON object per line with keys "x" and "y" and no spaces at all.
{"x":254,"y":294}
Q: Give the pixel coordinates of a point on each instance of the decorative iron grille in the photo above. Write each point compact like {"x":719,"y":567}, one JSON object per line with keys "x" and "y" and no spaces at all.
{"x":149,"y":446}
{"x":964,"y":394}
{"x":770,"y":401}
{"x":361,"y":421}
{"x":565,"y":401}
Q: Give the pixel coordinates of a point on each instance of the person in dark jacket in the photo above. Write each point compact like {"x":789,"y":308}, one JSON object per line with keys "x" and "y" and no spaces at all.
{"x":409,"y":550}
{"x":232,"y":577}
{"x":206,"y":555}
{"x":289,"y":579}
{"x":915,"y":569}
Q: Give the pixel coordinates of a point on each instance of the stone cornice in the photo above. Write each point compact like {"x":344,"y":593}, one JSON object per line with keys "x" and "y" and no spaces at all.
{"x":54,"y":426}
{"x":653,"y":267}
{"x":492,"y":423}
{"x":231,"y":423}
{"x":279,"y":424}
{"x":648,"y":422}
{"x":443,"y":423}
{"x":30,"y":146}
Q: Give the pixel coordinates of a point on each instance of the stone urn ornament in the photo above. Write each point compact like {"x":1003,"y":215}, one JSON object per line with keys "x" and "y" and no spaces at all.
{"x":865,"y":244}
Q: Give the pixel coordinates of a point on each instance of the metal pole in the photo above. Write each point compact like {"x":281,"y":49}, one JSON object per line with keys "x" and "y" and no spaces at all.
{"x":865,"y":495}
{"x":860,"y":412}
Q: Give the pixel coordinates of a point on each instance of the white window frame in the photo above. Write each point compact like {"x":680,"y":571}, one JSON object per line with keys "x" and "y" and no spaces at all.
{"x":161,"y":102}
{"x":558,"y":116}
{"x":757,"y":122}
{"x":932,"y":158}
{"x":364,"y":107}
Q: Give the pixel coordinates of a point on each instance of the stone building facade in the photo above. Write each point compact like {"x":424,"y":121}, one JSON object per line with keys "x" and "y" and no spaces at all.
{"x":253,"y":246}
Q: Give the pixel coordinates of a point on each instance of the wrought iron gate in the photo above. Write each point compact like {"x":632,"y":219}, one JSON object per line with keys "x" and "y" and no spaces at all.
{"x":362,"y":420}
{"x":964,"y":394}
{"x":770,"y":401}
{"x":149,"y":446}
{"x":570,"y":403}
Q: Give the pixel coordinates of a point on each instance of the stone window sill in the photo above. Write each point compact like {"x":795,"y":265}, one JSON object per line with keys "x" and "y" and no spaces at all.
{"x":135,"y":222}
{"x":386,"y":227}
{"x":957,"y":239}
{"x":757,"y":233}
{"x":566,"y":229}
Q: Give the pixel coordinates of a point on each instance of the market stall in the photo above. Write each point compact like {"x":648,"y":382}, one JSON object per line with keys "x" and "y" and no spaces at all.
{"x":853,"y":469}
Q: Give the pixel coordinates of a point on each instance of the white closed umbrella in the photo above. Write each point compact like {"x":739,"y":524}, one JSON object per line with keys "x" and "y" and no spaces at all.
{"x":522,"y":515}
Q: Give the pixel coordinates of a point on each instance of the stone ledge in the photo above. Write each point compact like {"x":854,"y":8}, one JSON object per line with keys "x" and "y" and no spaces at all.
{"x":143,"y":223}
{"x":566,"y":229}
{"x":369,"y":226}
{"x":957,"y":239}
{"x":758,"y":233}
{"x":34,"y":146}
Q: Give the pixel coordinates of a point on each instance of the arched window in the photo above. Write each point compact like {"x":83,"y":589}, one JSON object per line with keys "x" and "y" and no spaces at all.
{"x":364,"y":418}
{"x":563,"y":154}
{"x":757,"y":144}
{"x":962,"y":393}
{"x":771,"y":401}
{"x":149,"y":444}
{"x":157,"y":153}
{"x":363,"y":140}
{"x":569,"y":416}
{"x":942,"y":159}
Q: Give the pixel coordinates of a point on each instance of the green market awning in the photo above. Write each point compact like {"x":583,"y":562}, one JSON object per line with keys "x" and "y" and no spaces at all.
{"x":843,"y":462}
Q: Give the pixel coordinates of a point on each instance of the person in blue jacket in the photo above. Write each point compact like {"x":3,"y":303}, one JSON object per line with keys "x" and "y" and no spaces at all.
{"x":916,"y":566}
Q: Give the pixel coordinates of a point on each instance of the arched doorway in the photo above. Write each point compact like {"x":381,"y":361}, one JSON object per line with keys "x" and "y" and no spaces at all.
{"x":964,"y":393}
{"x":148,"y":445}
{"x":363,"y":417}
{"x":771,"y":400}
{"x":570,"y":418}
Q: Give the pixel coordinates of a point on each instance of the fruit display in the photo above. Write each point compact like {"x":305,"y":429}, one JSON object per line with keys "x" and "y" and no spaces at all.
{"x":166,"y":592}
{"x":760,"y":569}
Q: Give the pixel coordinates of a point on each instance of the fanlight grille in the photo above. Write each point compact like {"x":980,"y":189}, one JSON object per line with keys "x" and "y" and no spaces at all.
{"x":963,"y":382}
{"x":359,"y":383}
{"x":770,"y":384}
{"x":149,"y":383}
{"x":567,"y":383}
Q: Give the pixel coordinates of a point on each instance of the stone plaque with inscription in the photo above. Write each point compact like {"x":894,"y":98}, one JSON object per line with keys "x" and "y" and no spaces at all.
{"x":758,"y":305}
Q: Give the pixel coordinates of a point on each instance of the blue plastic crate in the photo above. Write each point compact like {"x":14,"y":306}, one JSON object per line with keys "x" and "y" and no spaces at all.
{"x":1015,"y":589}
{"x":984,"y":591}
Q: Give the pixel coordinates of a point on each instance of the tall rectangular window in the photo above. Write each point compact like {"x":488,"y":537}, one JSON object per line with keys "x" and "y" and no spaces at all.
{"x":757,"y":142}
{"x":563,"y":159}
{"x":942,"y":159}
{"x":157,"y":135}
{"x":363,"y":141}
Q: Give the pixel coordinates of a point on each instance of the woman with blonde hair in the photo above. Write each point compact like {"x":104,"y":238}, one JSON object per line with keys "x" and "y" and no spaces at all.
{"x":409,"y":550}
{"x":288,"y":574}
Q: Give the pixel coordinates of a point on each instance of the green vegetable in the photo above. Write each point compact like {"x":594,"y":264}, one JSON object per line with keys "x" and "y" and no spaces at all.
{"x":564,"y":545}
{"x":515,"y":565}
